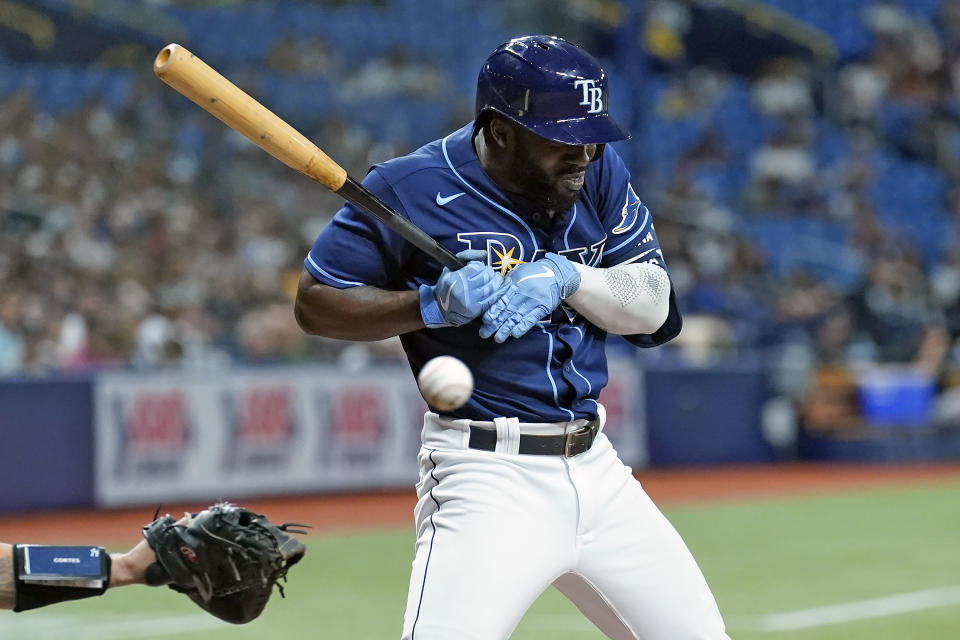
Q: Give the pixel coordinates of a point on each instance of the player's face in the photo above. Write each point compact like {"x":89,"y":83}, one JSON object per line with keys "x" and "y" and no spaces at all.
{"x":551,"y":173}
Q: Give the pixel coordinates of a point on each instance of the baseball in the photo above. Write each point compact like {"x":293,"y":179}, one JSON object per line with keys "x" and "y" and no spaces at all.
{"x":445,"y":383}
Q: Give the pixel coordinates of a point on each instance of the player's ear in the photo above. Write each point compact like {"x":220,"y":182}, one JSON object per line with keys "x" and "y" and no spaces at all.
{"x":501,"y":132}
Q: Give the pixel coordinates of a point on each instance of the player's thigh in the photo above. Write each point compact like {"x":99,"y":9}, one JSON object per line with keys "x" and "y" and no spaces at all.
{"x":471,"y":588}
{"x":487,"y":547}
{"x":646,"y":574}
{"x":634,"y":559}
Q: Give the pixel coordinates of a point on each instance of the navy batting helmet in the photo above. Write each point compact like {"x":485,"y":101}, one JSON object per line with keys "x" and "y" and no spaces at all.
{"x":551,"y":87}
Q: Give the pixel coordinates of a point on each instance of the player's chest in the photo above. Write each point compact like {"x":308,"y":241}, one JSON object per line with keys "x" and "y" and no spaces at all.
{"x":471,"y":222}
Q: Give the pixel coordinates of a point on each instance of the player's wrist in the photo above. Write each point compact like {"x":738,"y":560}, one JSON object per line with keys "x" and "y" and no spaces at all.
{"x":430,"y":308}
{"x":121,"y":573}
{"x":131,"y":567}
{"x":568,"y":277}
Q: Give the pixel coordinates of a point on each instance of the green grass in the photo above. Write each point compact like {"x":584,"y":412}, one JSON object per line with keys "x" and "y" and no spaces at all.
{"x":778,"y":556}
{"x":760,"y":557}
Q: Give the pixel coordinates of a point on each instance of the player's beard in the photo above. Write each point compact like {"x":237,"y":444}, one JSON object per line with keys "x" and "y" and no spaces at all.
{"x":540,"y":192}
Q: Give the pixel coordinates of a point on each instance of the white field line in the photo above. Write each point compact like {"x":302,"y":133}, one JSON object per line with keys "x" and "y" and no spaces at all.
{"x":791,"y":620}
{"x":37,"y":626}
{"x":850,"y":611}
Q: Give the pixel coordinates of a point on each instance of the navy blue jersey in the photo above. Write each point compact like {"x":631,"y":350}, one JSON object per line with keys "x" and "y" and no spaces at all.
{"x":556,"y":371}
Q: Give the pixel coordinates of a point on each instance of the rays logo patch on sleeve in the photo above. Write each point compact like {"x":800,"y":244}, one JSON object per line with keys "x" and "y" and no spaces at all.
{"x":630,"y":212}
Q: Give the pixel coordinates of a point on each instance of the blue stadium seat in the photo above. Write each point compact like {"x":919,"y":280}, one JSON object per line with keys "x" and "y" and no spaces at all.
{"x":8,"y":79}
{"x":117,"y":89}
{"x":901,"y":187}
{"x":63,"y":89}
{"x":926,"y":9}
{"x":816,"y":246}
{"x":831,"y":146}
{"x":191,"y":138}
{"x":743,"y":127}
{"x":414,"y":122}
{"x":719,"y":183}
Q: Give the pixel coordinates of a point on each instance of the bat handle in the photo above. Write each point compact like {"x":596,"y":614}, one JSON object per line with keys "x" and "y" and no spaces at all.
{"x":360,"y":196}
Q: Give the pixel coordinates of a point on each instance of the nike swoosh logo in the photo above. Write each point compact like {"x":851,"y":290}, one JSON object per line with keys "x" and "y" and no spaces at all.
{"x":445,"y":303}
{"x":441,"y":200}
{"x":546,"y":273}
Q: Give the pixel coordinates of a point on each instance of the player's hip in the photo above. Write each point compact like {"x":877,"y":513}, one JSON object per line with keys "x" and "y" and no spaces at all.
{"x":511,"y":437}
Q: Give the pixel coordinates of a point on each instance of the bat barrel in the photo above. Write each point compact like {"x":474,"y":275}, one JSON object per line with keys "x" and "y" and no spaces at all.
{"x":189,"y":75}
{"x":192,"y":77}
{"x":163,"y":57}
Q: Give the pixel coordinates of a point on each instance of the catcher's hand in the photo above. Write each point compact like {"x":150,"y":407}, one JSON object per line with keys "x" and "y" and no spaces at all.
{"x":225,"y":558}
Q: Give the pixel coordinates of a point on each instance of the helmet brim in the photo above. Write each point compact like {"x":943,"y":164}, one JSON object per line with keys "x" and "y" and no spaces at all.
{"x":598,"y":129}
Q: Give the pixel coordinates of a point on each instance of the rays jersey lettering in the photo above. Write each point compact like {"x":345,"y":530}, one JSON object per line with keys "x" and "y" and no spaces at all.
{"x":556,"y":371}
{"x":505,"y":250}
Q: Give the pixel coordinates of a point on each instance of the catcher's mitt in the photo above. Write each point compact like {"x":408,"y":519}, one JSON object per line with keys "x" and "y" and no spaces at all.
{"x":225,"y":558}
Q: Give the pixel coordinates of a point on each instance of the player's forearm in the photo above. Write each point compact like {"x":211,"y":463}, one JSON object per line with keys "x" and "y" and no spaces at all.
{"x":626,"y":300}
{"x":126,"y":568}
{"x":358,"y":313}
{"x":7,"y":595}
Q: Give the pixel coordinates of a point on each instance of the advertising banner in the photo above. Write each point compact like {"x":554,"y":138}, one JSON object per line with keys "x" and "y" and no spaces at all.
{"x":176,"y":436}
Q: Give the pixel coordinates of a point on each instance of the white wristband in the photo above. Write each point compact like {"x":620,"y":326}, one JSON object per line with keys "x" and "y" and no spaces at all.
{"x":625,"y":299}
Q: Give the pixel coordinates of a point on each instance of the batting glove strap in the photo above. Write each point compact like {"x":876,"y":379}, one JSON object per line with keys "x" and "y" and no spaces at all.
{"x":430,"y":309}
{"x":567,"y":275}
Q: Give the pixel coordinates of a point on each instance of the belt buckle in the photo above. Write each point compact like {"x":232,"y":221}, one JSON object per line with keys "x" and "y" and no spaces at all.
{"x":574,"y":437}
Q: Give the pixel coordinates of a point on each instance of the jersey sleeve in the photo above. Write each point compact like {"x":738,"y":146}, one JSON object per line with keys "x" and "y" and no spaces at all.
{"x":356,"y":249}
{"x":631,"y":237}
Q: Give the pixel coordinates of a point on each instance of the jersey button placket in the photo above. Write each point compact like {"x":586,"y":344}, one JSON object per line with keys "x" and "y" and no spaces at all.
{"x":568,"y":370}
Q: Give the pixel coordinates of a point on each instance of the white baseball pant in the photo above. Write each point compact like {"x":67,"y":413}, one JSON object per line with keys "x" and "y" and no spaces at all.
{"x":495,"y":529}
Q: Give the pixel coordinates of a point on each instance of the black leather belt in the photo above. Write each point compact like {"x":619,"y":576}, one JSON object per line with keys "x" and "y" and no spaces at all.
{"x":566,"y":445}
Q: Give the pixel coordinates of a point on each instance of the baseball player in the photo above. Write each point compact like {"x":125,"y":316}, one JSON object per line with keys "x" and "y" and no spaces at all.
{"x":519,"y":488}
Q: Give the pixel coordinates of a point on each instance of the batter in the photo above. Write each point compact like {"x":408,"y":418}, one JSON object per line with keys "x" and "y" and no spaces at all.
{"x":519,"y":488}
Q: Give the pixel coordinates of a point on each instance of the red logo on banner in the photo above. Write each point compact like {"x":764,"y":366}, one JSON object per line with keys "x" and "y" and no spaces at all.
{"x":157,"y":422}
{"x":265,"y":416}
{"x":358,"y":415}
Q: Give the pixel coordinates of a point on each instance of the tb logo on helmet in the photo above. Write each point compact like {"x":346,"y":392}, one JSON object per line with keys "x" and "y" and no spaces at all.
{"x":592,"y":95}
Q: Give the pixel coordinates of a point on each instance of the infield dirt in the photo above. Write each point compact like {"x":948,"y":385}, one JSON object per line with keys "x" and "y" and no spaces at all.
{"x":358,"y":511}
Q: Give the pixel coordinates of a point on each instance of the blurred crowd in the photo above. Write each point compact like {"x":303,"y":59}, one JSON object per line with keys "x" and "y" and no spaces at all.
{"x":858,"y":168}
{"x":150,"y":235}
{"x":119,"y":249}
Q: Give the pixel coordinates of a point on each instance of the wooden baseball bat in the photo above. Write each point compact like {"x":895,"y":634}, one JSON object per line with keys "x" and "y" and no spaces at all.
{"x":192,"y":77}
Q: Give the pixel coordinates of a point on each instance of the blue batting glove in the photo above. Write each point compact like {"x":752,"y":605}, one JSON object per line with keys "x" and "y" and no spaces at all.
{"x":530,"y":293}
{"x":460,"y":296}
